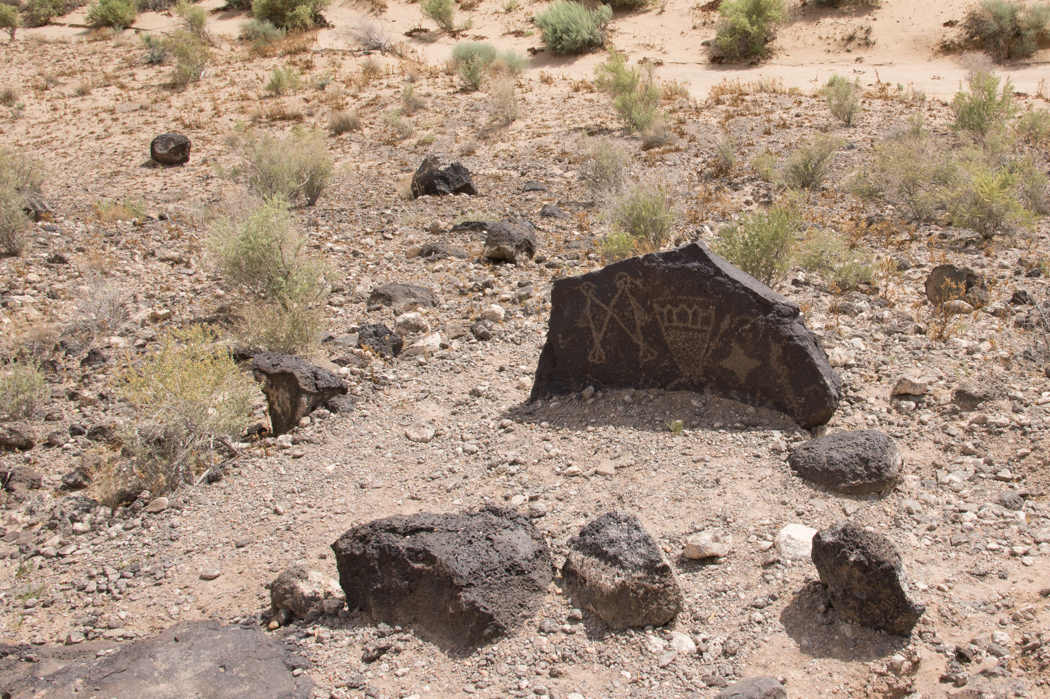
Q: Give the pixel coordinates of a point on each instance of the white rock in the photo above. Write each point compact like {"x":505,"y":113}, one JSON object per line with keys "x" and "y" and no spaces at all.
{"x":156,"y":505}
{"x":708,"y":544}
{"x":426,"y":345}
{"x":493,"y":314}
{"x":795,"y":541}
{"x":910,"y":386}
{"x":682,"y":643}
{"x":606,"y":468}
{"x":421,"y":433}
{"x":411,"y":323}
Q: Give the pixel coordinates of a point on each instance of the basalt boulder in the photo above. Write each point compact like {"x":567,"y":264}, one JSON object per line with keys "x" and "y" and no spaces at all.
{"x":170,"y":149}
{"x":401,"y":297}
{"x":294,"y":388}
{"x":858,"y":462}
{"x":685,"y":319}
{"x":435,"y":180}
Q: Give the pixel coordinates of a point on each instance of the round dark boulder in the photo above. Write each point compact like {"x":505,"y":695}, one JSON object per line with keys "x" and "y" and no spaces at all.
{"x":851,"y":463}
{"x":170,"y":149}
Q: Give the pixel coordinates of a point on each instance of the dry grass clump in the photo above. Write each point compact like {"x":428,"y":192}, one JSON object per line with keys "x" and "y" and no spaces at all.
{"x":187,"y":395}
{"x":340,"y":122}
{"x":20,"y":176}
{"x":296,"y":167}
{"x":371,"y":35}
{"x":602,"y":164}
{"x":102,"y":309}
{"x":23,"y":390}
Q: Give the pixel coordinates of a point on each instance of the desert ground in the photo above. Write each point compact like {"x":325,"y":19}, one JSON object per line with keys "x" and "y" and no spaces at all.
{"x":970,"y":516}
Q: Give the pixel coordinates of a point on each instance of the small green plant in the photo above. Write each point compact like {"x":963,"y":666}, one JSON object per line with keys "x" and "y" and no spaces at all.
{"x":617,"y":246}
{"x":410,"y":101}
{"x":765,"y":165}
{"x":283,"y":81}
{"x":1033,"y":127}
{"x":340,"y":122}
{"x":725,"y":155}
{"x":294,"y":167}
{"x":471,"y":74}
{"x":569,"y":27}
{"x":118,"y":14}
{"x":746,"y":26}
{"x":157,"y":50}
{"x":401,"y":127}
{"x":676,"y":427}
{"x":441,"y":11}
{"x":23,"y":390}
{"x":602,"y":162}
{"x":986,"y":201}
{"x":842,"y":96}
{"x":762,"y":243}
{"x":647,"y":214}
{"x":186,"y":396}
{"x":635,"y":92}
{"x":1008,"y":29}
{"x":985,"y":105}
{"x":474,"y":61}
{"x":827,"y":253}
{"x":289,"y":14}
{"x":191,"y":57}
{"x":808,"y":166}
{"x":261,"y":33}
{"x":10,"y":20}
{"x":195,"y":20}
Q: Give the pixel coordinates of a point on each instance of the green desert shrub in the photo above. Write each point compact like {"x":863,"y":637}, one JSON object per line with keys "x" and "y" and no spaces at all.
{"x":38,"y":13}
{"x":635,"y":92}
{"x":762,"y":243}
{"x":808,"y":165}
{"x":474,"y":61}
{"x":842,"y":96}
{"x":191,"y":57}
{"x":187,"y":395}
{"x":118,"y":14}
{"x":985,"y":105}
{"x":826,"y":252}
{"x":985,"y":200}
{"x":283,"y":81}
{"x":10,"y":20}
{"x":261,"y":32}
{"x":23,"y":390}
{"x":194,"y":20}
{"x":618,"y":245}
{"x":294,"y":167}
{"x":1033,"y":127}
{"x":289,"y":14}
{"x":602,"y":164}
{"x":647,"y":214}
{"x":746,"y":26}
{"x":569,"y":27}
{"x":441,"y":11}
{"x":912,"y":173}
{"x":1008,"y":29}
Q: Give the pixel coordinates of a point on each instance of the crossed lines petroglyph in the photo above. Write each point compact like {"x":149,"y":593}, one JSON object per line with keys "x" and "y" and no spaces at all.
{"x":597,"y":316}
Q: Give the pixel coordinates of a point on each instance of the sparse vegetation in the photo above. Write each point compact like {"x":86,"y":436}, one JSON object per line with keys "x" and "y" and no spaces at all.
{"x":157,"y":50}
{"x":441,"y":11}
{"x":118,"y":14}
{"x":399,"y":126}
{"x":808,"y":166}
{"x":294,"y":167}
{"x":646,"y":213}
{"x":765,"y":165}
{"x":635,"y":92}
{"x":261,"y":33}
{"x":194,"y":20}
{"x":1006,"y":28}
{"x":842,"y":96}
{"x":474,"y":61}
{"x":503,"y":101}
{"x":19,"y":174}
{"x":23,"y":390}
{"x":826,"y":252}
{"x":191,"y":57}
{"x":569,"y":27}
{"x":102,"y":309}
{"x":187,"y":395}
{"x":985,"y":105}
{"x":762,"y":243}
{"x":410,"y":101}
{"x":283,"y":81}
{"x":911,"y":172}
{"x":985,"y":200}
{"x":725,"y":154}
{"x":602,"y":162}
{"x":289,"y":14}
{"x":746,"y":26}
{"x":371,"y":35}
{"x":340,"y":122}
{"x":10,"y":20}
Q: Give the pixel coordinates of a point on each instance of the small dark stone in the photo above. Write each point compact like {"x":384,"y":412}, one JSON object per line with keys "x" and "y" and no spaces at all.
{"x":1012,"y":500}
{"x":294,"y":388}
{"x":58,"y":258}
{"x":20,"y":478}
{"x":971,"y":394}
{"x":170,"y":149}
{"x":434,"y":180}
{"x":760,"y":687}
{"x":341,"y":405}
{"x":860,"y":462}
{"x":948,"y":282}
{"x":865,"y":578}
{"x":552,"y":211}
{"x":439,"y":251}
{"x":380,"y":339}
{"x":401,"y":297}
{"x":77,"y":430}
{"x":16,"y":436}
{"x":460,"y":580}
{"x":95,"y":357}
{"x":77,"y":479}
{"x":1022,"y":298}
{"x":616,"y":569}
{"x":511,"y":240}
{"x":533,"y":186}
{"x":480,"y":330}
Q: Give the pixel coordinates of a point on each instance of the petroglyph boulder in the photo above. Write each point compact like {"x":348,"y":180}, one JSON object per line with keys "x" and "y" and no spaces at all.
{"x":685,"y":319}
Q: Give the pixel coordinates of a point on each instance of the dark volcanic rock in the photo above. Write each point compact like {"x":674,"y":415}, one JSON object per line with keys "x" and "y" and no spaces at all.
{"x":18,"y":479}
{"x":199,"y":659}
{"x":16,"y":436}
{"x":461,"y":580}
{"x":947,"y":282}
{"x":293,"y":388}
{"x":511,"y":240}
{"x":401,"y":297}
{"x":439,"y":251}
{"x":380,"y":339}
{"x":971,"y":394}
{"x":170,"y":149}
{"x":852,"y":463}
{"x":760,"y":687}
{"x":865,"y":578}
{"x":552,"y":211}
{"x":685,"y":320}
{"x":616,"y":569}
{"x":432,"y":179}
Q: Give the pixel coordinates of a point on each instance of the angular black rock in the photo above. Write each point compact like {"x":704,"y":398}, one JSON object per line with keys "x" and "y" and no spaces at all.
{"x":616,"y":569}
{"x":511,"y":240}
{"x":401,"y":297}
{"x":947,"y":282}
{"x":460,"y":580}
{"x":200,"y":659}
{"x":760,"y":687}
{"x":685,"y":320}
{"x":379,"y":339}
{"x":170,"y":149}
{"x":852,"y":463}
{"x":865,"y":579}
{"x":294,"y":388}
{"x":439,"y":251}
{"x":432,"y":179}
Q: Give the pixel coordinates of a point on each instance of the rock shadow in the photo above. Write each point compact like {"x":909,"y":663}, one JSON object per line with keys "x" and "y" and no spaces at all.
{"x":824,"y":635}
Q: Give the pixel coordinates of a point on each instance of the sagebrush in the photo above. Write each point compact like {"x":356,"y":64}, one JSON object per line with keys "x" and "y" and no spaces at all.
{"x":762,"y":243}
{"x":1007,"y":29}
{"x":569,"y":27}
{"x":289,"y":14}
{"x":746,"y":26}
{"x":296,"y":167}
{"x":23,"y":390}
{"x":118,"y":14}
{"x":635,"y":92}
